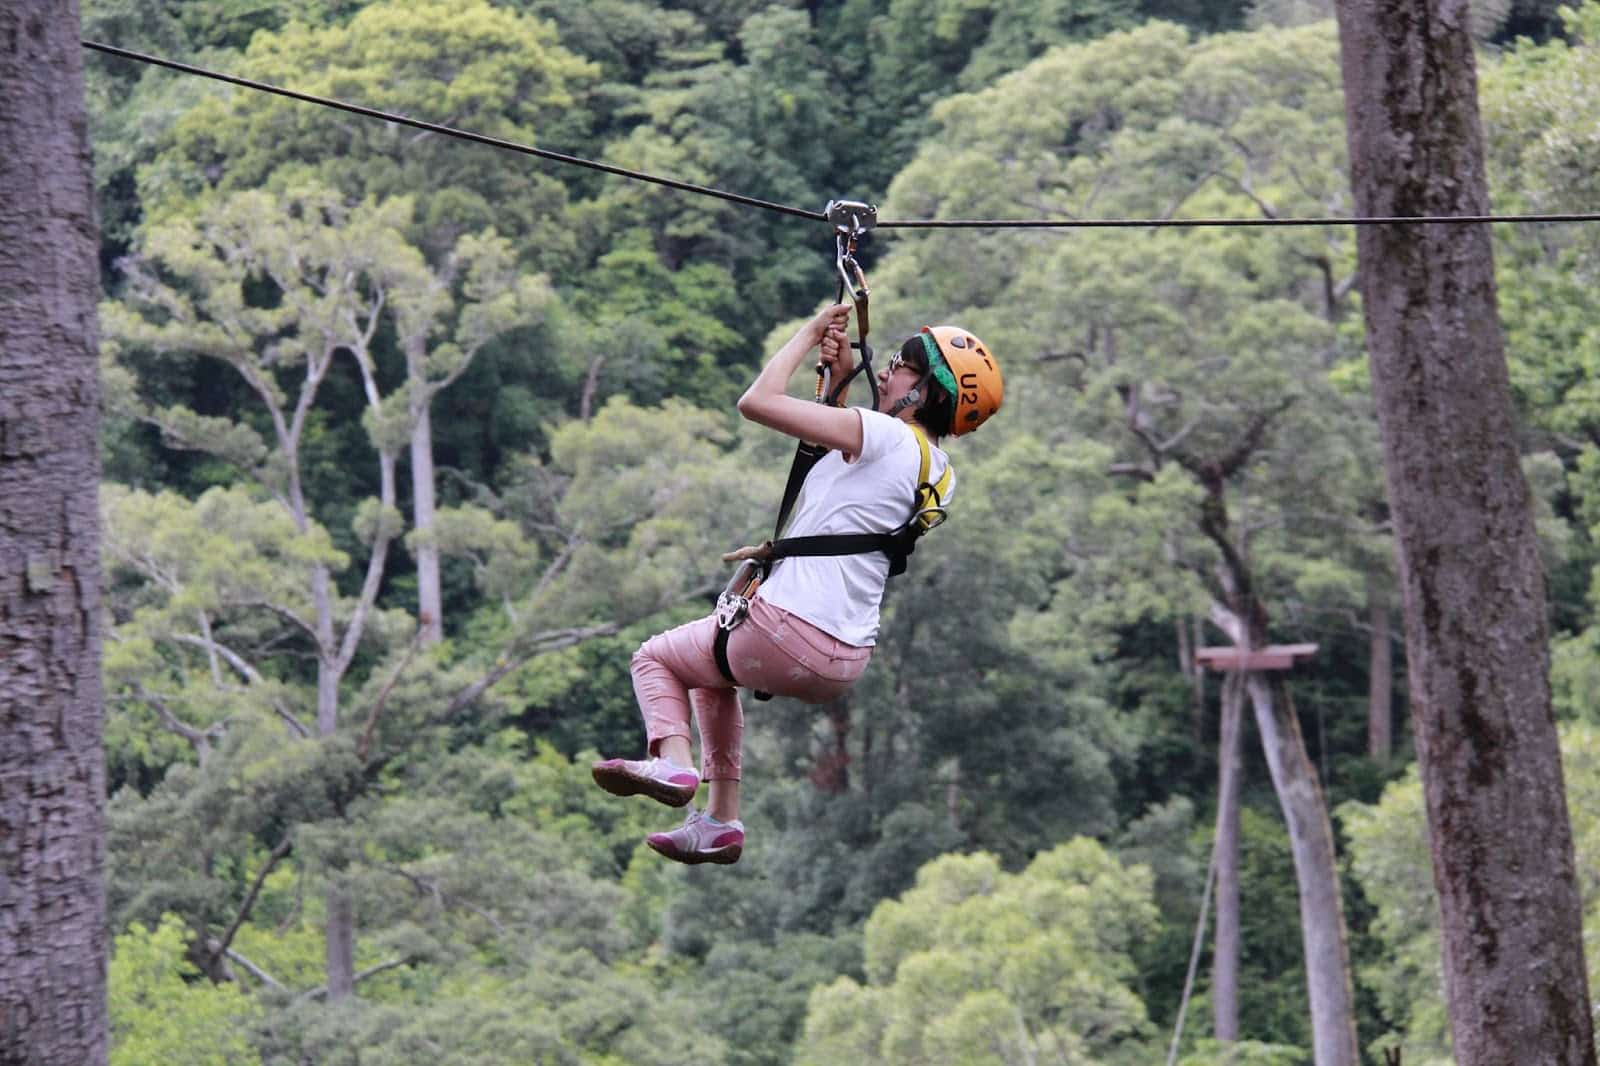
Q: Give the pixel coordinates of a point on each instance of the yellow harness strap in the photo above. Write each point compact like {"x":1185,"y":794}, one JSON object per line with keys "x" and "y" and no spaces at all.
{"x":929,"y":511}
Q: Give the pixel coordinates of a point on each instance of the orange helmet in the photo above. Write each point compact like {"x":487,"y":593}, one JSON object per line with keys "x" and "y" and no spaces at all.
{"x":974,"y":377}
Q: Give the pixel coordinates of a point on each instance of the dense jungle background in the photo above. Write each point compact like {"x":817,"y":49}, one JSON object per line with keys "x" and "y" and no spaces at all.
{"x":409,"y":442}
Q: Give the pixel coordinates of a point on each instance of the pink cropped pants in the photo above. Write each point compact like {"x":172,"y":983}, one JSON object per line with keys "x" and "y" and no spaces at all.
{"x":771,"y":651}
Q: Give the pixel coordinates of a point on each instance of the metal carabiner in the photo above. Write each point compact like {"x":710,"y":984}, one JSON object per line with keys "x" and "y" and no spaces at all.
{"x":845,"y":261}
{"x":850,"y":219}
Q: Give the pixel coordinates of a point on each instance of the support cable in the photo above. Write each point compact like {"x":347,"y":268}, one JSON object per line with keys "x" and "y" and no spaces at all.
{"x":818,"y":216}
{"x":1194,"y":956}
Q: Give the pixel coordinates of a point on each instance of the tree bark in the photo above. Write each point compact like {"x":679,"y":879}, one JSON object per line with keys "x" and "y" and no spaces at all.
{"x":52,"y":774}
{"x":1322,"y":931}
{"x":1474,"y":597}
{"x":1225,"y":949}
{"x":831,"y":772}
{"x":430,"y":598}
{"x":1380,"y":679}
{"x":340,"y":945}
{"x":1305,"y":811}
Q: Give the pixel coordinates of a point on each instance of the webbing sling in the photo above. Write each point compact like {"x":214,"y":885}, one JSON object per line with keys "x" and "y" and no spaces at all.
{"x":927,"y":512}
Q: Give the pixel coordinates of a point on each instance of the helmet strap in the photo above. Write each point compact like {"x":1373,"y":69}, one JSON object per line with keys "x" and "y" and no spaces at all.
{"x":913,"y":396}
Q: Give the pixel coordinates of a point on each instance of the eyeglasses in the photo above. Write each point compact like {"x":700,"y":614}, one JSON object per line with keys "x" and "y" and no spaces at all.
{"x":898,"y":360}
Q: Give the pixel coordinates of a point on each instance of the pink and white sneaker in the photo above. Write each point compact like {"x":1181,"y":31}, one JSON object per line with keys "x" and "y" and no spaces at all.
{"x":699,"y":839}
{"x":656,"y":778}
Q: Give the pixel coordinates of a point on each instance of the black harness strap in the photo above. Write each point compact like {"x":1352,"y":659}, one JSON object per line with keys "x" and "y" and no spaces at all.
{"x":719,"y":651}
{"x":897,"y":545}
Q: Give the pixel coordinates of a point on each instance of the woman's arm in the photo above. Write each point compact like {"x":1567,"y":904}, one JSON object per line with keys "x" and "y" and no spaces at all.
{"x":766,"y":400}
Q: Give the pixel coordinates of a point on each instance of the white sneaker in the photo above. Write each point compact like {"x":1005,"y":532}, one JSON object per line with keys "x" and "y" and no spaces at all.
{"x":656,"y":778}
{"x":699,"y":840}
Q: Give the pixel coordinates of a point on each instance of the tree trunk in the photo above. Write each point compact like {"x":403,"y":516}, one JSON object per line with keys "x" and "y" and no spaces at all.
{"x":1189,"y":636}
{"x":831,"y":772}
{"x":430,"y":605}
{"x":340,"y":943}
{"x":1322,"y":932}
{"x":1380,"y":680}
{"x":1225,"y":950}
{"x":1305,"y":814}
{"x":52,"y":772}
{"x":328,"y":671}
{"x":1474,"y":598}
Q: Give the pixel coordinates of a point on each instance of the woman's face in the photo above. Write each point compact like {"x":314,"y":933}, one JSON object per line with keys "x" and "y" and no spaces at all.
{"x":894,"y":381}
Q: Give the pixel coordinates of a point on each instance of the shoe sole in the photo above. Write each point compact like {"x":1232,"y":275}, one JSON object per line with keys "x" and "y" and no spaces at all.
{"x":619,"y":782}
{"x":722,"y":856}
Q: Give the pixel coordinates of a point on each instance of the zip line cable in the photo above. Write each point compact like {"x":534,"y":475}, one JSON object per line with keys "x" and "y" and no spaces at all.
{"x":819,"y":216}
{"x":1196,"y":223}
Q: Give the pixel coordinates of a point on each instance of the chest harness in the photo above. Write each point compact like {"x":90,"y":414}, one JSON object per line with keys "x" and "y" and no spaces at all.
{"x":850,"y":221}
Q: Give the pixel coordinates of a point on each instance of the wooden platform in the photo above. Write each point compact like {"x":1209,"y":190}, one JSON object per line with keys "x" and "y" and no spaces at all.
{"x":1272,"y":657}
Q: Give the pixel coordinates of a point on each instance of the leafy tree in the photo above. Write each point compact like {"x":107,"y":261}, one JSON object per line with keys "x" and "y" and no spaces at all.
{"x":133,"y":107}
{"x":1192,"y":374}
{"x":1535,"y":113}
{"x":478,"y":297}
{"x":475,"y":66}
{"x":438,"y":853}
{"x":1058,"y":936}
{"x":231,"y":583}
{"x":160,"y":1013}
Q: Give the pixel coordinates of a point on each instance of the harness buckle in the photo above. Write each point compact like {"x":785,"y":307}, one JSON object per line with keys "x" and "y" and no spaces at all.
{"x":930,"y":518}
{"x":731,"y":610}
{"x":734,"y":601}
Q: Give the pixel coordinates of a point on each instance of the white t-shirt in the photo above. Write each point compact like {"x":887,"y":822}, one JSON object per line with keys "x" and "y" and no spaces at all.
{"x":840,"y":594}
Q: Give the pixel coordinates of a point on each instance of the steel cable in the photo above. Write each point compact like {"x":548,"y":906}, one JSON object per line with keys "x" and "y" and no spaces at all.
{"x":818,"y":216}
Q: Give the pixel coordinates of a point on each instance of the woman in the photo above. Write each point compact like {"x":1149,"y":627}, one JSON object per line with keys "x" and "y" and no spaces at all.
{"x":812,"y":625}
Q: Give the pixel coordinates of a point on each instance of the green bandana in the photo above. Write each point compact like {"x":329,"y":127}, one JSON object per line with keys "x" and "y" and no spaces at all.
{"x":936,"y":364}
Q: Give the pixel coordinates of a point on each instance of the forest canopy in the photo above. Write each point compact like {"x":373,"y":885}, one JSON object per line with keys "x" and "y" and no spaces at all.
{"x":409,"y":442}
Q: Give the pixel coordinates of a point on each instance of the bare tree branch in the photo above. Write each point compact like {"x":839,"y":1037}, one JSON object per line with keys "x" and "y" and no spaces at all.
{"x":365,"y":743}
{"x":362,"y":975}
{"x":221,"y":946}
{"x":538,"y":645}
{"x":199,"y":739}
{"x":286,"y":613}
{"x":255,"y":971}
{"x":1250,"y":439}
{"x":1138,"y":471}
{"x":444,"y":899}
{"x":250,"y":673}
{"x":591,"y":382}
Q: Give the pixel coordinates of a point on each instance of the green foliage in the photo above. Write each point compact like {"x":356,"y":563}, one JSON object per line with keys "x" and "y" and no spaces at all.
{"x":593,"y":333}
{"x":1242,"y":1053}
{"x":1539,"y":117}
{"x":1054,"y":940}
{"x":161,"y":1015}
{"x":658,"y":332}
{"x":1391,"y":858}
{"x":475,"y":66}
